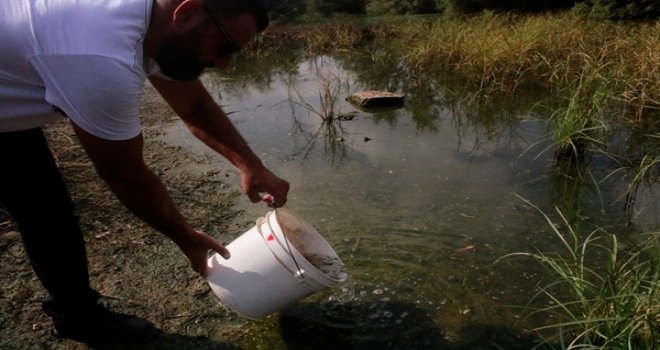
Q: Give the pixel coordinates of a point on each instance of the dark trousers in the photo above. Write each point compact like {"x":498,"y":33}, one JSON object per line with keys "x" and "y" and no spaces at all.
{"x":34,"y":193}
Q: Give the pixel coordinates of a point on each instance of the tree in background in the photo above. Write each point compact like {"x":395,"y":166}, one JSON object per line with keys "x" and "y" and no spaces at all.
{"x":398,"y":7}
{"x":287,"y":10}
{"x":464,"y":6}
{"x":473,"y":6}
{"x":620,"y":9}
{"x":328,"y":7}
{"x":613,"y":9}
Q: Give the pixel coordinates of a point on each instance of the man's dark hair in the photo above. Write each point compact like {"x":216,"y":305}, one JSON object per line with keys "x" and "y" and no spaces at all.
{"x":232,"y":8}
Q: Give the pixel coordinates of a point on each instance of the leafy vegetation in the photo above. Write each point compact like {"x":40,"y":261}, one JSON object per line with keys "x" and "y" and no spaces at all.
{"x":620,"y":9}
{"x":396,"y":7}
{"x":604,"y":294}
{"x":612,"y":9}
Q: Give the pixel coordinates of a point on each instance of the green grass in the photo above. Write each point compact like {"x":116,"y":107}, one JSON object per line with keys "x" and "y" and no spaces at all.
{"x":578,"y":124}
{"x":645,"y":171}
{"x":603,"y":294}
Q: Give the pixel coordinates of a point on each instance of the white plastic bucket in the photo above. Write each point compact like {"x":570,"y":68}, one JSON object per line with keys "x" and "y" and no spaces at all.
{"x":270,"y":266}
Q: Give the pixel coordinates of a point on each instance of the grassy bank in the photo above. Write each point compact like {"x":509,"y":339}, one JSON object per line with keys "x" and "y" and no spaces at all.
{"x":602,"y":70}
{"x":502,"y":50}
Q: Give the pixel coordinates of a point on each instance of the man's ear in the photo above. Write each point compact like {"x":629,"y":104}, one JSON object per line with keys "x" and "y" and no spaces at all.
{"x":188,"y":14}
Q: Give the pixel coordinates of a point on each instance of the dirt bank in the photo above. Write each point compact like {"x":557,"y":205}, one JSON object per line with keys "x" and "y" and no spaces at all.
{"x":138,"y":270}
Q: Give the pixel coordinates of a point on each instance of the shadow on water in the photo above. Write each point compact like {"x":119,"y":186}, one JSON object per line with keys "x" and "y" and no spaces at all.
{"x":391,"y":325}
{"x":163,"y":340}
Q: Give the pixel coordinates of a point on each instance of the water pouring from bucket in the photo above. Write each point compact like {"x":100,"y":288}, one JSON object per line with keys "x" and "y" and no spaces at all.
{"x":279,"y":261}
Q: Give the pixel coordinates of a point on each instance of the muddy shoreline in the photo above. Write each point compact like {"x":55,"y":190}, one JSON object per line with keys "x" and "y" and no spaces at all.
{"x":136,"y":269}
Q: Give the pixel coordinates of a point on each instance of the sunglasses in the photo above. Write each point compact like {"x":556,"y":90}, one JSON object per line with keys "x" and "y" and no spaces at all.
{"x":230,"y":48}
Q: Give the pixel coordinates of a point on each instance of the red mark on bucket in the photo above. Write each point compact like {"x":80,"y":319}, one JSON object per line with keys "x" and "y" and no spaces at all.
{"x":271,"y":237}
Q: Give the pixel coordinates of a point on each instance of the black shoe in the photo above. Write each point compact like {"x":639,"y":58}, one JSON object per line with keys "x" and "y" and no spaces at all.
{"x":99,"y":324}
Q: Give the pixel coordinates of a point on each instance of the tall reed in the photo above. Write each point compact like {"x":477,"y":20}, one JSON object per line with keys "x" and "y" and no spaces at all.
{"x":504,"y":51}
{"x":328,"y":108}
{"x":647,"y":170}
{"x":330,"y":91}
{"x":604,"y":294}
{"x":576,"y":125}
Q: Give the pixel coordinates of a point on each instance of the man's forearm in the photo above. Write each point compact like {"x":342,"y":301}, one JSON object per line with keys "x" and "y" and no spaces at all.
{"x":207,"y":121}
{"x":146,"y":197}
{"x":218,"y":132}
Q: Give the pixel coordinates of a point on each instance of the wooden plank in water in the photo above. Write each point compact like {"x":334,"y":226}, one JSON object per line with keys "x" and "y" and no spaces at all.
{"x":373,"y":98}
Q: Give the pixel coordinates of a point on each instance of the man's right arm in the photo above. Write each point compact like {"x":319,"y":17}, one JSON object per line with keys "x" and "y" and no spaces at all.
{"x":121,"y":165}
{"x":208,"y":122}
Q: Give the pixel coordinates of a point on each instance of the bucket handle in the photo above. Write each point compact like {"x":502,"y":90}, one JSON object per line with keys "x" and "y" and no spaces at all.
{"x":300,"y":273}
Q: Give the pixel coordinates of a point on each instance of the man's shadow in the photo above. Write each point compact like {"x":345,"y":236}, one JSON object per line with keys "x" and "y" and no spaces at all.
{"x":356,"y":325}
{"x":392,"y":325}
{"x":161,"y":340}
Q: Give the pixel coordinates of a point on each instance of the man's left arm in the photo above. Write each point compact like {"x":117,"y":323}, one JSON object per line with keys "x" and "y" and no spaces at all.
{"x":208,"y":122}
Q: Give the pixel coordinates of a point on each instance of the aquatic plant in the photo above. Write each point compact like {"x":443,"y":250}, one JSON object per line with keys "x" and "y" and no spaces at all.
{"x":641,"y":171}
{"x":330,"y":130}
{"x":574,"y":127}
{"x":604,"y":294}
{"x":646,"y":171}
{"x":639,"y":167}
{"x":330,"y":91}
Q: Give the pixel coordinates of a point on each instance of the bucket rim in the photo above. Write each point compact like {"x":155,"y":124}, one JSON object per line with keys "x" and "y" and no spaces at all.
{"x":310,"y":269}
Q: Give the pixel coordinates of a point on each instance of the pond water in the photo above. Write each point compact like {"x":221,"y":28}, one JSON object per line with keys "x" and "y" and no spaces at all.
{"x":418,"y":201}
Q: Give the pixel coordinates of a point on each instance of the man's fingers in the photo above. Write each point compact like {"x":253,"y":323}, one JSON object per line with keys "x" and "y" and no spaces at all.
{"x":201,"y":269}
{"x":213,"y":245}
{"x":270,"y":200}
{"x":254,"y":196}
{"x":224,"y":252}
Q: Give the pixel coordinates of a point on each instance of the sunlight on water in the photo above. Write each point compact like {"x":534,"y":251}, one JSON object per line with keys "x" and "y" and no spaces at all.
{"x":419,"y":201}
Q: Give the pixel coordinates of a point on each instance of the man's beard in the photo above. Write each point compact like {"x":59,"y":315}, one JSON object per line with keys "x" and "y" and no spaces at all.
{"x":179,"y":60}
{"x":178,"y":63}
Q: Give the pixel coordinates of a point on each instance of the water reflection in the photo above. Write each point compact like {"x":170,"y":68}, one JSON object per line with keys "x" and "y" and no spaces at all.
{"x":330,"y":134}
{"x":418,"y":201}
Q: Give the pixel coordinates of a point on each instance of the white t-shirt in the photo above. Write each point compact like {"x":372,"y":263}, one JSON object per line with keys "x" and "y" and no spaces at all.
{"x":84,"y":57}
